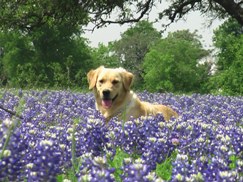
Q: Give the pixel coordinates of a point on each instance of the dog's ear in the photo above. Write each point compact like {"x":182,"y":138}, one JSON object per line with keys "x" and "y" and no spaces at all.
{"x":92,"y":76}
{"x":127,"y":79}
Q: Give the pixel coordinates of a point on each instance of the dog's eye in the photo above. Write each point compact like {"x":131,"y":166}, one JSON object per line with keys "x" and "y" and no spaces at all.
{"x":115,"y":82}
{"x":101,"y":81}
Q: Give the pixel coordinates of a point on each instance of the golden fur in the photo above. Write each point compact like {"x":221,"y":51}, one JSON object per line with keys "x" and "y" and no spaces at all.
{"x":113,"y":95}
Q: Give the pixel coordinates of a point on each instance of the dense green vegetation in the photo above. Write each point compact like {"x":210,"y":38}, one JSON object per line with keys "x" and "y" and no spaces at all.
{"x":173,"y":64}
{"x":228,"y":40}
{"x":42,"y":45}
{"x":56,"y":57}
{"x":50,"y":56}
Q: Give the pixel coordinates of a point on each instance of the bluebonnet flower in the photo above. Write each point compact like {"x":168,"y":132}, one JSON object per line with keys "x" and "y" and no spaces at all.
{"x":181,"y":168}
{"x":11,"y":155}
{"x":44,"y":161}
{"x":91,"y":136}
{"x":95,"y":169}
{"x":59,"y":126}
{"x":137,"y":171}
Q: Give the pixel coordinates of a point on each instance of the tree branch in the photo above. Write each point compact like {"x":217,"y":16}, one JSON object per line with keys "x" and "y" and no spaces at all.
{"x":144,"y":9}
{"x":28,"y":14}
{"x":232,"y":8}
{"x":180,"y":9}
{"x":11,"y":112}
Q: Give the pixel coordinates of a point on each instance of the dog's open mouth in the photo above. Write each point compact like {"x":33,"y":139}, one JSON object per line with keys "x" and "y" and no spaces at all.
{"x":107,"y":103}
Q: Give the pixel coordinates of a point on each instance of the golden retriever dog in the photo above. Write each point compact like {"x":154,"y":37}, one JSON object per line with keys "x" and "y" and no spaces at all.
{"x":113,"y":96}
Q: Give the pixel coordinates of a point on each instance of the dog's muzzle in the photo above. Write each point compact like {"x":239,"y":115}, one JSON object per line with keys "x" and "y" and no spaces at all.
{"x":106,"y":94}
{"x":106,"y":100}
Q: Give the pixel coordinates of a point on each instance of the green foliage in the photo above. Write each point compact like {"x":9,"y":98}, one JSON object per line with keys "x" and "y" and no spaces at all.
{"x":233,"y":160}
{"x":29,"y":15}
{"x":155,"y":77}
{"x":133,"y":46}
{"x":172,"y":64}
{"x":51,"y":56}
{"x":117,"y":163}
{"x":69,"y":175}
{"x":228,"y":78}
{"x":226,"y":38}
{"x":164,"y":170}
{"x":104,"y":55}
{"x":29,"y":75}
{"x":17,"y":50}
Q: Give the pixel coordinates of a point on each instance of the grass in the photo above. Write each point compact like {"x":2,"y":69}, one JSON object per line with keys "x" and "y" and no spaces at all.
{"x":164,"y":170}
{"x":117,"y":163}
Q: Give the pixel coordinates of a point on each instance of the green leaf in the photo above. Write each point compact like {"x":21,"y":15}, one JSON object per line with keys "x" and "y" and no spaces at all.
{"x":164,"y":170}
{"x":117,"y":162}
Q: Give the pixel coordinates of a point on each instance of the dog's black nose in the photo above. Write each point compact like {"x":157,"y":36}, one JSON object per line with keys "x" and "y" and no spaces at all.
{"x":106,"y":94}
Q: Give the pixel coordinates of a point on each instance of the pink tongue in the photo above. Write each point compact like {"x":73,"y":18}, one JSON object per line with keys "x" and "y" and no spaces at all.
{"x":106,"y":103}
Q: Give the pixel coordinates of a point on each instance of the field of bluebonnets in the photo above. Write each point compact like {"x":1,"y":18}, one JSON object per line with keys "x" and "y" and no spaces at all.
{"x":63,"y":138}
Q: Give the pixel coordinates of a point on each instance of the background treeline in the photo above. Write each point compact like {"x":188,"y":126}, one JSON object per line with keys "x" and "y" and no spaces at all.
{"x":56,"y":56}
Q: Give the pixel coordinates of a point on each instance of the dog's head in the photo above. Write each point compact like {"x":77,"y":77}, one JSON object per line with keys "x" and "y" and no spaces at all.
{"x":109,"y":85}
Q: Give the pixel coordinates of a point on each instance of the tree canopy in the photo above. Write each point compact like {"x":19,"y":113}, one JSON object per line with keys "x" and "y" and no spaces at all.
{"x":172,"y":65}
{"x":49,"y":56}
{"x":29,"y":14}
{"x":228,"y":39}
{"x":134,"y":45}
